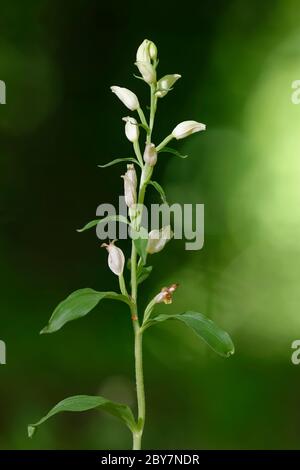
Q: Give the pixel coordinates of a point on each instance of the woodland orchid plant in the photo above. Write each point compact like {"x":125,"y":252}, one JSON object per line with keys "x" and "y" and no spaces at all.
{"x":144,"y":244}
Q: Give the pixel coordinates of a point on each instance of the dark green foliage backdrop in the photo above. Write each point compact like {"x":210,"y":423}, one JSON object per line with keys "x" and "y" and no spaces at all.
{"x":238,"y":60}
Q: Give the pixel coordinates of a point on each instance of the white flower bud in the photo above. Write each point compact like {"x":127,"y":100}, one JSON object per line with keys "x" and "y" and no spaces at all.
{"x":131,"y":173}
{"x":131,"y":129}
{"x":150,"y":155}
{"x":153,"y":51}
{"x":127,"y":97}
{"x":116,"y":258}
{"x":142,"y":54}
{"x":146,"y":51}
{"x":157,"y":239}
{"x":186,"y":128}
{"x":130,"y":183}
{"x":147,"y":71}
{"x":164,"y":85}
{"x":165,"y":295}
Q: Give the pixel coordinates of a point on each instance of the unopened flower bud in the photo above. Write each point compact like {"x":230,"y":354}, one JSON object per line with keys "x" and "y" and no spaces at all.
{"x":147,"y":71}
{"x":164,"y":85}
{"x":186,"y":128}
{"x":116,"y":258}
{"x":146,"y":51}
{"x":130,"y":183}
{"x":157,"y":239}
{"x":150,"y":155}
{"x":153,"y":51}
{"x":166,"y":294}
{"x":131,"y":173}
{"x":131,"y":129}
{"x":127,"y":97}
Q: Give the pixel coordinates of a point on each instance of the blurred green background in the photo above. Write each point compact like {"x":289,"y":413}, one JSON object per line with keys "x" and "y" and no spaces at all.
{"x":238,"y":59}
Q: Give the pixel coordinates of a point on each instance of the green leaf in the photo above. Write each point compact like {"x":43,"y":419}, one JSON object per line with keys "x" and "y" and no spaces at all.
{"x":172,"y":151}
{"x":137,"y":76}
{"x":140,"y":240}
{"x":143,"y":273}
{"x":203,"y":327}
{"x":160,"y":190}
{"x":120,"y":160}
{"x":85,"y":403}
{"x":111,"y":218}
{"x":77,"y":305}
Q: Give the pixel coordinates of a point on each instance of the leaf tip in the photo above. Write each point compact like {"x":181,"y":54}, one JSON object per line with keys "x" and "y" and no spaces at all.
{"x":30,"y":431}
{"x":45,"y":330}
{"x":231,"y":352}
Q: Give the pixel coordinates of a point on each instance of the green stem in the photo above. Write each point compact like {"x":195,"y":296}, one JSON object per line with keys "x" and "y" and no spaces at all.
{"x":137,"y":151}
{"x":122,"y":285}
{"x":138,"y":335}
{"x":164,"y":142}
{"x":138,"y":354}
{"x":137,"y":441}
{"x":133,"y":274}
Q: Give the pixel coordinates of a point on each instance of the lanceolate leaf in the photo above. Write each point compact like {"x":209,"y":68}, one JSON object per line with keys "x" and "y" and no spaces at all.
{"x":111,"y":218}
{"x":85,"y":403}
{"x":205,"y":328}
{"x":143,"y":273}
{"x":140,"y":78}
{"x":128,"y":264}
{"x":120,"y":160}
{"x":77,"y":305}
{"x":172,"y":151}
{"x":140,"y":240}
{"x":160,"y":190}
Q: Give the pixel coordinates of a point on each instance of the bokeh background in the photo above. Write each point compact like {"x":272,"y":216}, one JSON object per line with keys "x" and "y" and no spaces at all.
{"x":238,"y":60}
